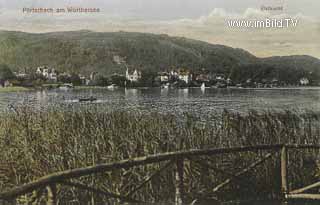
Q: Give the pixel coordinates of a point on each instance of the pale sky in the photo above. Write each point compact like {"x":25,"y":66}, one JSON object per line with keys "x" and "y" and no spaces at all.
{"x":199,"y":19}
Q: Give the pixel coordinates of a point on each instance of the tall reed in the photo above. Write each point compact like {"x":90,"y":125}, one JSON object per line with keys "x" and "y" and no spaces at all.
{"x":36,"y":143}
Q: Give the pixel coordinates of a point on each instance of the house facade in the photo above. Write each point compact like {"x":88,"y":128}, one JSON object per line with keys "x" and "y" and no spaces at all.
{"x":118,"y":59}
{"x":47,"y":73}
{"x":304,"y":81}
{"x":164,"y":77}
{"x":5,"y":83}
{"x":133,"y":77}
{"x":202,"y":77}
{"x":184,"y":75}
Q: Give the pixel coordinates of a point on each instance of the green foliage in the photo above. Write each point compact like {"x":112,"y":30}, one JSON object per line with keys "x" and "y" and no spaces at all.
{"x":13,"y":89}
{"x":118,"y":80}
{"x":75,"y":79}
{"x":101,"y":80}
{"x":5,"y":72}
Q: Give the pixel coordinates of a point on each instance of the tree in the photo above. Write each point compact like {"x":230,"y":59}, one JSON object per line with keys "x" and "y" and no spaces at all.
{"x":101,"y":80}
{"x":6,"y":73}
{"x":118,"y":80}
{"x":64,"y":78}
{"x":75,"y":79}
{"x":147,"y":78}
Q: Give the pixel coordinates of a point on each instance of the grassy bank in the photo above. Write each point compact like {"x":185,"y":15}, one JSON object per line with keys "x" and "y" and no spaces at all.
{"x":13,"y":89}
{"x":33,"y":144}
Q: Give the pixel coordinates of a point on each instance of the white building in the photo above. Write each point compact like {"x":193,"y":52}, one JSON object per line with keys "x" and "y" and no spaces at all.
{"x":134,"y":77}
{"x":185,"y":76}
{"x":304,"y":81}
{"x":39,"y":70}
{"x":93,"y":76}
{"x":174,"y":73}
{"x":118,"y":59}
{"x":53,"y":76}
{"x":164,"y":77}
{"x":48,"y":73}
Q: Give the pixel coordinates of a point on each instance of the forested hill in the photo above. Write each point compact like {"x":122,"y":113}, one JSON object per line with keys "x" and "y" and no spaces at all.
{"x":86,"y":51}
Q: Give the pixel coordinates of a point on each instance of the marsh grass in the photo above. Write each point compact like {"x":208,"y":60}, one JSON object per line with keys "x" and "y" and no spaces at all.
{"x":36,"y":143}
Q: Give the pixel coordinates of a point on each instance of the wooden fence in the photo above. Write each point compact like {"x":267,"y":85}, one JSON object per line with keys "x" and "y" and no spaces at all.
{"x":47,"y":184}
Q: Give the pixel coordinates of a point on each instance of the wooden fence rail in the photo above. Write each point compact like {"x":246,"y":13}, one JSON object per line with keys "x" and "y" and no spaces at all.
{"x":64,"y":177}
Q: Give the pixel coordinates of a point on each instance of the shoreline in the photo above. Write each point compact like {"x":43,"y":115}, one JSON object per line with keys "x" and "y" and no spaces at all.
{"x":14,"y":89}
{"x":24,"y":89}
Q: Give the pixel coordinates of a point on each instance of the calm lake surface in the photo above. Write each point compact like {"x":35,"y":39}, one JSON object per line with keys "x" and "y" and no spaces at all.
{"x":276,"y":203}
{"x":176,"y":101}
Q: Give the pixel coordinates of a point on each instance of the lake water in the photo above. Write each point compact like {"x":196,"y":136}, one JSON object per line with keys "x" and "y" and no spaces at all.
{"x":276,"y":203}
{"x":177,"y":101}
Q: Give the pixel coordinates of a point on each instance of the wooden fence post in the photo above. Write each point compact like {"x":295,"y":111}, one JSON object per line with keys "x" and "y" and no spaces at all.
{"x":179,"y":182}
{"x":284,"y":182}
{"x":52,"y":195}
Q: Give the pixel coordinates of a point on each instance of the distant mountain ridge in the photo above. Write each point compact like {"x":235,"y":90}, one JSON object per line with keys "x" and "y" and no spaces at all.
{"x":86,"y":51}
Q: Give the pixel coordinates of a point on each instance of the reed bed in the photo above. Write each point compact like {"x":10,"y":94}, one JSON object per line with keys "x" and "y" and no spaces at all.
{"x":36,"y":143}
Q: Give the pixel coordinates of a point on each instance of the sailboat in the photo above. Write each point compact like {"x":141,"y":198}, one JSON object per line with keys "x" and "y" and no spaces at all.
{"x":111,"y":87}
{"x":203,"y":86}
{"x":165,"y":86}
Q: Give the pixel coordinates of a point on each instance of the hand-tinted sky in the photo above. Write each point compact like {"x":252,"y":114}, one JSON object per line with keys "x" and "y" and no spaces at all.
{"x":199,"y":19}
{"x":169,"y":9}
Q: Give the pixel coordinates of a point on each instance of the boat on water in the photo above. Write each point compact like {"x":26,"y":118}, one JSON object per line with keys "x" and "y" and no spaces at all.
{"x":203,"y":86}
{"x":90,"y":99}
{"x":66,"y":86}
{"x":111,"y":87}
{"x":165,"y":86}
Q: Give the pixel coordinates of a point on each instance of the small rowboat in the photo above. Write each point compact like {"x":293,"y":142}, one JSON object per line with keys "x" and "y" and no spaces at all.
{"x":91,"y":99}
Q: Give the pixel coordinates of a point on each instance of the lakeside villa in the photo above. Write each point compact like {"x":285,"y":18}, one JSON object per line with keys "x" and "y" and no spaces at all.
{"x":133,"y":77}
